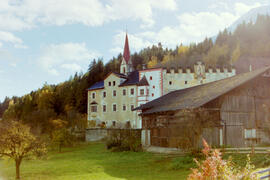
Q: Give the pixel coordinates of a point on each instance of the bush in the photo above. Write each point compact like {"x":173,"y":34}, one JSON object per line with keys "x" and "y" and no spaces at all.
{"x":184,"y":162}
{"x":215,"y":168}
{"x":62,"y":138}
{"x":123,"y":140}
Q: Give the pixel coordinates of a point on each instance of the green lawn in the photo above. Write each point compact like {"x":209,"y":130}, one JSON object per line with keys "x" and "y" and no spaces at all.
{"x":94,"y":161}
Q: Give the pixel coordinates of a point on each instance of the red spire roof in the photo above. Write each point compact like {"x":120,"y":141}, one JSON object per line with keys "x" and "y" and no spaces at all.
{"x":126,"y":50}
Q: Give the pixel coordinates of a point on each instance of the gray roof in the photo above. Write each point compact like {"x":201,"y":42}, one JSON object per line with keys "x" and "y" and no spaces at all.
{"x":197,"y":96}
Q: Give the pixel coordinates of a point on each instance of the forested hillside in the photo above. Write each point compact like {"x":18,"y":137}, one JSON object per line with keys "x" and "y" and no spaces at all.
{"x":68,"y":100}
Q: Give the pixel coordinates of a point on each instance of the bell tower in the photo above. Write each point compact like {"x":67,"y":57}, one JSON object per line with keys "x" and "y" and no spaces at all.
{"x":126,"y":64}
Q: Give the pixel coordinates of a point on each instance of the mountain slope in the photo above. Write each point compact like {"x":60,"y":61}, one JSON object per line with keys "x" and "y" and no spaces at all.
{"x":250,"y":16}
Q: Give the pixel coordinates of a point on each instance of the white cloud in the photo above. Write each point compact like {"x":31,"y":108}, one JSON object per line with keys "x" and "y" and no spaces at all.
{"x":139,"y":9}
{"x":241,"y":8}
{"x":71,"y":56}
{"x":191,"y":27}
{"x":13,"y":65}
{"x":8,"y":37}
{"x":26,"y":14}
{"x":73,"y":67}
{"x":136,"y":42}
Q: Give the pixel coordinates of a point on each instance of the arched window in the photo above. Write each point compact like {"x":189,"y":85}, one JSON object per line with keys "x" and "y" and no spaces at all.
{"x":93,"y":106}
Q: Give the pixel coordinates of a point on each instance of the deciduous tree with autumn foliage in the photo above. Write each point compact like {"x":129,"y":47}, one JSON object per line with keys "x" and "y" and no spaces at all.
{"x":17,"y":142}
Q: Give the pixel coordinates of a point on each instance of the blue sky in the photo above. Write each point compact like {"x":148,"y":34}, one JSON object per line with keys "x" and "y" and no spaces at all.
{"x":48,"y":41}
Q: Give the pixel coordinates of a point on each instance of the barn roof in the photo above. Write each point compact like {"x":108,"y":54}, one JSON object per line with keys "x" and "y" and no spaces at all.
{"x":197,"y":96}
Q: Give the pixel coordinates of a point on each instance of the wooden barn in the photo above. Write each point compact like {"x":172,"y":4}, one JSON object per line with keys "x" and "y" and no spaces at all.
{"x":232,"y":112}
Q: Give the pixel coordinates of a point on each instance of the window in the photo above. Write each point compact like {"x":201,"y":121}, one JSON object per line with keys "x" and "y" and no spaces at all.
{"x":93,"y":108}
{"x":104,"y":108}
{"x":124,"y":107}
{"x":141,"y":92}
{"x":124,"y":92}
{"x":250,"y":133}
{"x":113,"y":123}
{"x":131,"y":107}
{"x":114,"y":107}
{"x":114,"y":92}
{"x":104,"y":94}
{"x":154,"y":87}
{"x":186,"y":82}
{"x":151,"y":78}
{"x":110,"y":83}
{"x":113,"y":83}
{"x":152,"y":94}
{"x":93,"y":95}
{"x":132,"y":91}
{"x":170,"y":82}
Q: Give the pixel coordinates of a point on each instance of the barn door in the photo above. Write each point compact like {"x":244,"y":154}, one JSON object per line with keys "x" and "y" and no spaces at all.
{"x":233,"y":135}
{"x":159,"y":137}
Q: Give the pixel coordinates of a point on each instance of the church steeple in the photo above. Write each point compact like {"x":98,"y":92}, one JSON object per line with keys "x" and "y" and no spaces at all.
{"x":126,"y":53}
{"x":126,"y":64}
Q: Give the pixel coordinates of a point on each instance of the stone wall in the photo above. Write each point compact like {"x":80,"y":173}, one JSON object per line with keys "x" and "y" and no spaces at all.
{"x":95,"y":134}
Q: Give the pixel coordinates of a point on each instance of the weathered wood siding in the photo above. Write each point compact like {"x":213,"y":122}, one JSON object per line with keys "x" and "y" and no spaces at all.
{"x":246,"y":107}
{"x":173,"y":129}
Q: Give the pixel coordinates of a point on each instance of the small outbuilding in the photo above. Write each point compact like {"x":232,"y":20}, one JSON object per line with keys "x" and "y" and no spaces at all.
{"x":232,"y":112}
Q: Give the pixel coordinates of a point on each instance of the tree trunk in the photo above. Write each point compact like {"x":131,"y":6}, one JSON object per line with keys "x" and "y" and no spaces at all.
{"x":18,"y":163}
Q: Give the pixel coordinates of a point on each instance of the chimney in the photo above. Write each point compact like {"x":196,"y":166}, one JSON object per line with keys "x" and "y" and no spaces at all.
{"x":250,"y":68}
{"x":144,"y":66}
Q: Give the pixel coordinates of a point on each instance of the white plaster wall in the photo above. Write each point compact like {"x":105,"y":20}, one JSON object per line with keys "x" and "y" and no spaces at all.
{"x":155,"y":85}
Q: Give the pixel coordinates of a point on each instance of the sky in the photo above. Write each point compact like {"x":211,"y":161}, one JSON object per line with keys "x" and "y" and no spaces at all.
{"x":48,"y":41}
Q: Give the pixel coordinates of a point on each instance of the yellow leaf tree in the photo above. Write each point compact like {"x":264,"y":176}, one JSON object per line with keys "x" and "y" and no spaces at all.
{"x":153,"y":62}
{"x":17,"y":142}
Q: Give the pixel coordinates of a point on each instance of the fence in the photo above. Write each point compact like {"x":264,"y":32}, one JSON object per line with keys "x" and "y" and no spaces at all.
{"x":96,"y":134}
{"x":264,"y":171}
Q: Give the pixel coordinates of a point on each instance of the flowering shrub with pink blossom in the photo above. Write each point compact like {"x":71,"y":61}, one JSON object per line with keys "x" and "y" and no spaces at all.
{"x":215,"y":168}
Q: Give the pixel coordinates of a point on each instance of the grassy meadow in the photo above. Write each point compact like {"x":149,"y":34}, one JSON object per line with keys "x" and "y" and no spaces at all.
{"x":94,"y":161}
